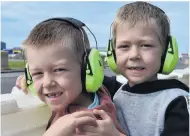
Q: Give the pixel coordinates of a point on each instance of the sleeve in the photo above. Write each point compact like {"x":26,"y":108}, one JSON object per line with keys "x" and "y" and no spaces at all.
{"x":111,"y":84}
{"x":177,"y":118}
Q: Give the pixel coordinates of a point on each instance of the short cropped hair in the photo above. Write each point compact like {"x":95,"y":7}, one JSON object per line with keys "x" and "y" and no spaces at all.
{"x":56,"y":32}
{"x":143,"y":12}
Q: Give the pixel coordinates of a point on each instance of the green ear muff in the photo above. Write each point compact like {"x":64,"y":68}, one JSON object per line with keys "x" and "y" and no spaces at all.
{"x":29,"y":81}
{"x":94,"y":71}
{"x":111,"y":58}
{"x":170,"y":58}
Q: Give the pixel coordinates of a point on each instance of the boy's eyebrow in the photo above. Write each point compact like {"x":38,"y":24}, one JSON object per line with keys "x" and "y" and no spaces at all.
{"x":146,"y":39}
{"x":123,"y":42}
{"x":60,"y":62}
{"x":34,"y":69}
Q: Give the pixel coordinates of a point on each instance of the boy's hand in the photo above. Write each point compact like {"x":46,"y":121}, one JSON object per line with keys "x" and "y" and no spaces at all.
{"x":21,"y":83}
{"x":66,"y":125}
{"x":105,"y":127}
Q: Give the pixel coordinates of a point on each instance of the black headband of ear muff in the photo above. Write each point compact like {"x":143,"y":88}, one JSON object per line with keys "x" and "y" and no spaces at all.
{"x":168,"y":40}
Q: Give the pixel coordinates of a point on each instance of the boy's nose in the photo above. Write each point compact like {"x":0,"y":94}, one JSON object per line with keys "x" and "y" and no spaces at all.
{"x":48,"y":81}
{"x":134,"y":53}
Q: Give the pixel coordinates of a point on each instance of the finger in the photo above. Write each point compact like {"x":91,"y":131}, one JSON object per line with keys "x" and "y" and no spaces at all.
{"x":83,"y":133}
{"x":85,"y":121}
{"x":23,"y":85}
{"x":87,"y":128}
{"x":18,"y":81}
{"x":86,"y":134}
{"x":102,"y":114}
{"x":19,"y":77}
{"x":17,"y":86}
{"x":83,"y":113}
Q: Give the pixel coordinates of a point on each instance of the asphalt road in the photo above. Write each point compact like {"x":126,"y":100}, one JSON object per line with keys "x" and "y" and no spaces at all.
{"x":8,"y":80}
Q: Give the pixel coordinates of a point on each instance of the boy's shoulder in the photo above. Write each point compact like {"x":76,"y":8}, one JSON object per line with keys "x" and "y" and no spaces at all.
{"x":162,"y":86}
{"x":170,"y":87}
{"x":177,"y":116}
{"x":171,"y":84}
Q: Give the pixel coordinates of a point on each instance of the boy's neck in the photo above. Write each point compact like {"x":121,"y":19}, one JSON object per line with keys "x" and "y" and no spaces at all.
{"x":84,"y":100}
{"x":81,"y":103}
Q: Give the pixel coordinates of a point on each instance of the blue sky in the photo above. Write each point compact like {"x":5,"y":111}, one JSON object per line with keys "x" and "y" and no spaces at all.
{"x":18,"y":18}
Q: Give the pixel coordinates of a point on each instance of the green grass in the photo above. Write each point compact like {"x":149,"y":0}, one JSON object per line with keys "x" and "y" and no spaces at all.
{"x":16,"y":64}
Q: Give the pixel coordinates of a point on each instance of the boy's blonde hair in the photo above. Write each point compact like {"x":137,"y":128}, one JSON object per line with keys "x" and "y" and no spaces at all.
{"x":143,"y":12}
{"x":56,"y":32}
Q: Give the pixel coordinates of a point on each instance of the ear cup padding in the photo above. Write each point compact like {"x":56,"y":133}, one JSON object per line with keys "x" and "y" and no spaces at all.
{"x":170,"y":57}
{"x":94,"y":71}
{"x":111,"y":57}
{"x":29,"y":81}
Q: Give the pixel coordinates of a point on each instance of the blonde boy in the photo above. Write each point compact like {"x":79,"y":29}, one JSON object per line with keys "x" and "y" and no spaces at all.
{"x":145,"y":105}
{"x":54,"y":50}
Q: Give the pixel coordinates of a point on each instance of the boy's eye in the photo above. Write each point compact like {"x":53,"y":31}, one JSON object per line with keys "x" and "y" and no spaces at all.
{"x":123,"y":46}
{"x":59,"y":70}
{"x":146,"y":45}
{"x":36,"y":73}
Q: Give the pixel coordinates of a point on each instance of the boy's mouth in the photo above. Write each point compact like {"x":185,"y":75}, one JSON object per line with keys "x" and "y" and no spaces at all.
{"x":136,"y":68}
{"x":54,"y":95}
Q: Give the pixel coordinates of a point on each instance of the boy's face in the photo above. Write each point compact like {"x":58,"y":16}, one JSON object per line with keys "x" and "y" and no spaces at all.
{"x":138,"y":51}
{"x":56,"y":75}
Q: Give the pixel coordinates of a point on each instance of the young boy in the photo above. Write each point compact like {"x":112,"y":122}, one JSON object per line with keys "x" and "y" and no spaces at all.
{"x":55,"y":51}
{"x":145,"y":105}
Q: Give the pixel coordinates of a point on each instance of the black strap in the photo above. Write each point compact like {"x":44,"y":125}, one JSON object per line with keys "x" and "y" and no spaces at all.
{"x":76,"y":23}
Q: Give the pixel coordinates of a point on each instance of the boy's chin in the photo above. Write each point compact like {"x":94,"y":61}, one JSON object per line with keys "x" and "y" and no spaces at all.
{"x":57,"y":108}
{"x":136,"y":80}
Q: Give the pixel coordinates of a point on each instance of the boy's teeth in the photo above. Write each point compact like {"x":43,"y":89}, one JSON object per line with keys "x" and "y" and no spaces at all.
{"x":53,"y":95}
{"x":136,"y":68}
